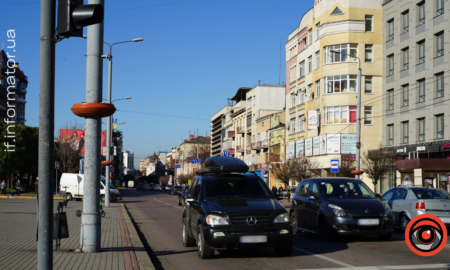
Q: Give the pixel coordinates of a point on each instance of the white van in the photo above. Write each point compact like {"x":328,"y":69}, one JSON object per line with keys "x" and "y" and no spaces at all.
{"x":73,"y":184}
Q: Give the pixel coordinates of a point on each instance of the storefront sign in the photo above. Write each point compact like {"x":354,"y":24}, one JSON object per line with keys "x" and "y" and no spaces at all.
{"x":421,"y":148}
{"x":312,"y":119}
{"x":348,"y":143}
{"x":316,"y":146}
{"x":402,"y":150}
{"x":323,"y":144}
{"x":299,"y":150}
{"x":446,"y":146}
{"x":308,"y":147}
{"x":333,"y":143}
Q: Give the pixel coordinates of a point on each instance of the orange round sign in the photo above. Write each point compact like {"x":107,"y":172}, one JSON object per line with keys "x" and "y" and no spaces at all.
{"x":426,"y":235}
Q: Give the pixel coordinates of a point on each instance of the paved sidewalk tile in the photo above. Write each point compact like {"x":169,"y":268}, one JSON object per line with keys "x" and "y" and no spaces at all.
{"x":18,"y":246}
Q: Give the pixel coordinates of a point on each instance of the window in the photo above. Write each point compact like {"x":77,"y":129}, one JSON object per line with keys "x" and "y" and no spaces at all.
{"x":294,"y":97}
{"x":317,"y":59}
{"x":439,"y":7}
{"x":390,"y":101}
{"x":368,"y":54}
{"x":317,"y":31}
{"x":405,"y":132}
{"x":302,"y":122}
{"x":390,"y":131}
{"x":337,"y":11}
{"x":439,"y":44}
{"x":310,"y":93}
{"x":405,"y":95}
{"x":421,"y":51}
{"x":421,"y":10}
{"x":249,"y":120}
{"x":341,"y":53}
{"x":249,"y":103}
{"x":390,"y":30}
{"x":388,"y":195}
{"x":310,"y":36}
{"x":405,"y":19}
{"x":405,"y":56}
{"x":421,"y":91}
{"x":302,"y":69}
{"x":421,"y":127}
{"x":369,"y":23}
{"x":302,"y":96}
{"x":22,"y":86}
{"x":440,"y":85}
{"x":368,"y":85}
{"x":304,"y":188}
{"x":341,"y":84}
{"x":390,"y":61}
{"x":22,"y":106}
{"x":317,"y":88}
{"x":340,"y":115}
{"x":440,"y":126}
{"x":310,"y":64}
{"x":368,"y":115}
{"x":293,"y":125}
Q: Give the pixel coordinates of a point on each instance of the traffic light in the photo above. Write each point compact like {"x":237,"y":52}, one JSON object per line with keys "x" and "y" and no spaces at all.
{"x":73,"y":16}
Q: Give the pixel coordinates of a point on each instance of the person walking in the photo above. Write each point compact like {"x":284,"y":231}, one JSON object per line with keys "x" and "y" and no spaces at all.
{"x":274,"y":190}
{"x":18,"y":187}
{"x":3,"y":188}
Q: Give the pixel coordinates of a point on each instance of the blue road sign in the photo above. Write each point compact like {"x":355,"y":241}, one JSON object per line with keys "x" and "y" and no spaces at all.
{"x":57,"y":165}
{"x":177,"y":166}
{"x":335,"y":165}
{"x":111,"y":169}
{"x":263,"y":170}
{"x":226,"y":153}
{"x":196,"y":160}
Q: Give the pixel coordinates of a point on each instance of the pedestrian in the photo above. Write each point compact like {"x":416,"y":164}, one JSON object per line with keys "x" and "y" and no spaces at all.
{"x":36,"y":185}
{"x":3,"y":188}
{"x":430,"y":186}
{"x":18,"y":187}
{"x":123,"y":184}
{"x":274,"y":190}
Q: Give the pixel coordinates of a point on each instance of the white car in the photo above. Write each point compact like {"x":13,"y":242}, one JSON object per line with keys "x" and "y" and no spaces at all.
{"x":157,"y":188}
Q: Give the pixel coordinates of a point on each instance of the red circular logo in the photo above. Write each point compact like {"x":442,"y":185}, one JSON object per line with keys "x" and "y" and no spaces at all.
{"x":426,"y":235}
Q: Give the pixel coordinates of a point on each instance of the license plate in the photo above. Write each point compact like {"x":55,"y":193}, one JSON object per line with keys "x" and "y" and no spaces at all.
{"x":368,"y":222}
{"x":253,"y":239}
{"x":446,"y":220}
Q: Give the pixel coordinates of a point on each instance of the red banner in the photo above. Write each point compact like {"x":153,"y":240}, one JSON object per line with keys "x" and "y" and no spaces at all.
{"x":75,"y":138}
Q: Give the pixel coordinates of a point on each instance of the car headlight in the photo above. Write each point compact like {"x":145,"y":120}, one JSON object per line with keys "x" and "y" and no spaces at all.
{"x":282,"y":218}
{"x":338,"y":211}
{"x":214,"y":220}
{"x":387,"y":208}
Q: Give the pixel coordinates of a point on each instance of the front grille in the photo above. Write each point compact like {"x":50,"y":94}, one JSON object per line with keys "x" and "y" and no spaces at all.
{"x":241,"y":221}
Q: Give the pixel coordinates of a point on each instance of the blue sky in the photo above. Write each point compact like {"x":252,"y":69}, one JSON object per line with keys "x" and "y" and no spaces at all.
{"x":195,"y":55}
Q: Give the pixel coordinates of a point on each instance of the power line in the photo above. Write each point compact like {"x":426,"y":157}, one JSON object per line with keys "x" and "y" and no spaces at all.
{"x":176,"y":116}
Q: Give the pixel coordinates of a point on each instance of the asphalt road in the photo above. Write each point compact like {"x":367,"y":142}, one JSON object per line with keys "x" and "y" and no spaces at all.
{"x":158,"y":218}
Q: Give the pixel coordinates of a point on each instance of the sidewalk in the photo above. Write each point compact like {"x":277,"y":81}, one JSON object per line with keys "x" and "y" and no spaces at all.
{"x":18,"y":246}
{"x":285,"y":203}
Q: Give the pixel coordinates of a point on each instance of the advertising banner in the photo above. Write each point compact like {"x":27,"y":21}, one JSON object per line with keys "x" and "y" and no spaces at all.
{"x":291,"y":150}
{"x":312,"y":119}
{"x":316,"y":146}
{"x":308,"y":147}
{"x":300,"y":148}
{"x":323,"y":144}
{"x":333,"y":144}
{"x":75,"y":139}
{"x":348,"y":144}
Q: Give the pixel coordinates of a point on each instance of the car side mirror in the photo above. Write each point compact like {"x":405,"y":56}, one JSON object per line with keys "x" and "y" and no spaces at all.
{"x":378,"y":196}
{"x":312,"y":197}
{"x":191,"y":200}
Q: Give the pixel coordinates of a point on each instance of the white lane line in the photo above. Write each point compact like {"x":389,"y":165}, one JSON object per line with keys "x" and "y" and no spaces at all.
{"x":167,"y":203}
{"x":393,"y":267}
{"x":324,"y":258}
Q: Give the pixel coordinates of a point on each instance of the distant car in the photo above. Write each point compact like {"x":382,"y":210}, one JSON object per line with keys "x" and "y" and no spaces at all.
{"x":147,"y":187}
{"x":182,"y":195}
{"x":409,"y":202}
{"x":157,"y":188}
{"x":175,"y":190}
{"x":168,"y":187}
{"x":140,"y":187}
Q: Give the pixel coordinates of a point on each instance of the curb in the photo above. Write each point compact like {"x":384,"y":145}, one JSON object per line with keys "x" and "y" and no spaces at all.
{"x":143,"y":259}
{"x":27,"y":197}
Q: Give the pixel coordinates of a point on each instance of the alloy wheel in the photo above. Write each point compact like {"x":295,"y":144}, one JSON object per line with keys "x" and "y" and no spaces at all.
{"x":404,"y":223}
{"x":199,"y":244}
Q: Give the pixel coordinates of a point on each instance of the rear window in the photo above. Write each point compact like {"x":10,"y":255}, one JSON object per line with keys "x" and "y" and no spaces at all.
{"x":235,"y":187}
{"x":422,"y":193}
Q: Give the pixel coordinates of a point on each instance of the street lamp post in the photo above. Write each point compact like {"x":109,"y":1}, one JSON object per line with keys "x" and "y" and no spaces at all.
{"x":108,"y":123}
{"x":358,"y":115}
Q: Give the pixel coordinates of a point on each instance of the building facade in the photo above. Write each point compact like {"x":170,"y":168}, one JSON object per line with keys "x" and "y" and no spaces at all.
{"x":321,"y":93}
{"x":128,"y":162}
{"x":416,"y":103}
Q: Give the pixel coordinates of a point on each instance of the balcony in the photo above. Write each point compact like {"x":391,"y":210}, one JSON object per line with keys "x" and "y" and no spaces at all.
{"x":240,"y":148}
{"x":262,"y":144}
{"x":231,"y":134}
{"x":275,"y":158}
{"x":249,"y":128}
{"x":240,"y":130}
{"x":255,"y":145}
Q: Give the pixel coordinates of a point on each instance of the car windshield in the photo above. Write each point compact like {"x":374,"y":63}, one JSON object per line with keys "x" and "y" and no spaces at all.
{"x":345,"y":189}
{"x":110,"y":184}
{"x":422,"y":193}
{"x":235,"y":187}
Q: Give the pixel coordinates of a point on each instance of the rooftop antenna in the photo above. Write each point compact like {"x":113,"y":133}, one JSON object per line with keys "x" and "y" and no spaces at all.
{"x":3,"y":45}
{"x":259,"y":82}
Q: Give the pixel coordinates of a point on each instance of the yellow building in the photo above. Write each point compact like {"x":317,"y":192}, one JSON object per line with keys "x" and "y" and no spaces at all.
{"x":322,"y":67}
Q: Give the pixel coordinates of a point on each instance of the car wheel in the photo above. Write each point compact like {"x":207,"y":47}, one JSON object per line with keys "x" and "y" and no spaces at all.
{"x":69,"y":196}
{"x":385,"y":237}
{"x":294,"y":224}
{"x":204,"y":252}
{"x":404,"y":223}
{"x":179,"y":202}
{"x":325,"y":230}
{"x":188,"y":241}
{"x":284,"y":251}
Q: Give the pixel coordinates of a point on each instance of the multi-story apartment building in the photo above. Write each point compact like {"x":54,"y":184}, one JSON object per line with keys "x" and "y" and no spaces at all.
{"x":416,"y":106}
{"x":321,"y":94}
{"x":277,"y":143}
{"x":217,"y":131}
{"x":188,"y":151}
{"x":16,"y":83}
{"x":128,"y":163}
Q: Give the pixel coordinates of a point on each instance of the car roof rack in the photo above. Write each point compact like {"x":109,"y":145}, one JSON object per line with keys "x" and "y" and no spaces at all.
{"x":219,"y":164}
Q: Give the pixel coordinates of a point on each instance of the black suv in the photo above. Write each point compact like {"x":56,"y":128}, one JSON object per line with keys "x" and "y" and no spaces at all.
{"x":226,"y":210}
{"x":344,"y":206}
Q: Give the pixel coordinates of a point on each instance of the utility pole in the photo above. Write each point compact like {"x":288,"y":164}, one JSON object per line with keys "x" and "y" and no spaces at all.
{"x":46,"y":131}
{"x":358,"y":123}
{"x":108,"y":133}
{"x":197,"y":154}
{"x":90,"y":221}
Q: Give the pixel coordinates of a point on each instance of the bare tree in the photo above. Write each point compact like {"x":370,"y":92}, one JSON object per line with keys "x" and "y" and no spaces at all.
{"x":296,"y":169}
{"x":164,"y":180}
{"x":203,"y":154}
{"x":68,"y":158}
{"x":347,"y":166}
{"x":378,"y":162}
{"x":184,"y":178}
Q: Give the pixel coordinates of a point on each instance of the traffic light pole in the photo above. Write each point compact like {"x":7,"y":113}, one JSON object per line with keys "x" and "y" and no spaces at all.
{"x":108,"y":131}
{"x":46,"y":131}
{"x":90,"y":221}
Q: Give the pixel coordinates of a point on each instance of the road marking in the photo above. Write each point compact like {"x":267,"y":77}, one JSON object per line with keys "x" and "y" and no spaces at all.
{"x":393,"y":267}
{"x":167,"y":203}
{"x":324,"y":258}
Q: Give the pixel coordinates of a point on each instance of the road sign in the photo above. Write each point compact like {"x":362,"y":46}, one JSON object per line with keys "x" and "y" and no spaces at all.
{"x":111,"y":169}
{"x":263,"y":170}
{"x":196,"y":160}
{"x":226,"y":153}
{"x":57,"y":165}
{"x":335,"y":165}
{"x":177,"y":166}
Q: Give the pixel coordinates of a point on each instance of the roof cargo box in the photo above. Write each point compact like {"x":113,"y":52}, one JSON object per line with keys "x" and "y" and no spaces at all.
{"x":225,"y":164}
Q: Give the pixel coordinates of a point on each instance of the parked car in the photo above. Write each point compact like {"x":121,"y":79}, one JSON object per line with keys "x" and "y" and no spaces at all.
{"x":74,"y":185}
{"x":344,"y":206}
{"x":233,"y":211}
{"x":157,"y":188}
{"x":175,"y":190}
{"x":140,"y":187}
{"x":147,"y":187}
{"x":182,"y":195}
{"x":409,"y":202}
{"x":167,"y":188}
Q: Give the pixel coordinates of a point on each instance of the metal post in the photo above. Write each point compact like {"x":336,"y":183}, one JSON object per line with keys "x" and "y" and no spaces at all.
{"x":56,"y":181}
{"x":46,"y":131}
{"x":358,"y":123}
{"x":90,"y":221}
{"x":108,"y":132}
{"x":197,"y":156}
